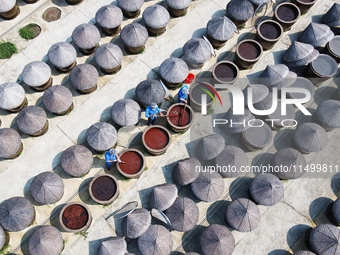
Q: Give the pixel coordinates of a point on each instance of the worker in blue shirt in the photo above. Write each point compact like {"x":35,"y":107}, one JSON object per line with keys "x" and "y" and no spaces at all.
{"x":183,"y":94}
{"x":151,"y":113}
{"x":111,"y":156}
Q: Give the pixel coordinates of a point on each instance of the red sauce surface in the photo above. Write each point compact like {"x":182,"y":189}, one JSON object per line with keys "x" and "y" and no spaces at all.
{"x":104,"y":188}
{"x":156,"y":138}
{"x":179,"y":116}
{"x":225,"y":72}
{"x":287,"y":13}
{"x":249,"y":50}
{"x":75,"y":217}
{"x":133,"y":162}
{"x":269,"y":30}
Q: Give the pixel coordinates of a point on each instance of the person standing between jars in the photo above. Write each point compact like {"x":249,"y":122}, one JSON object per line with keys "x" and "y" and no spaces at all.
{"x":151,"y":113}
{"x":111,"y":156}
{"x":183,"y":94}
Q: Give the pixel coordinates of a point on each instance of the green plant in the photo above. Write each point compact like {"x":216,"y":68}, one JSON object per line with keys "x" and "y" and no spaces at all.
{"x":83,"y":233}
{"x":5,"y":250}
{"x":142,"y":50}
{"x":210,"y":111}
{"x":27,"y":32}
{"x":7,"y":49}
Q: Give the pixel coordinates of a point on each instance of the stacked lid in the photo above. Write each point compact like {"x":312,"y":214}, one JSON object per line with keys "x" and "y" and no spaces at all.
{"x":125,"y":112}
{"x":316,"y":34}
{"x":109,"y":16}
{"x":12,"y":95}
{"x":241,"y":10}
{"x":174,"y":70}
{"x":62,"y":54}
{"x":277,"y":76}
{"x":86,"y":36}
{"x":77,"y":160}
{"x":221,"y":28}
{"x":328,"y":113}
{"x":156,"y":16}
{"x":108,"y":56}
{"x":150,"y":91}
{"x":47,"y":188}
{"x":293,"y":160}
{"x":36,"y":73}
{"x":332,"y":16}
{"x":134,"y":35}
{"x":231,"y":157}
{"x":257,"y":137}
{"x":84,"y":77}
{"x":299,"y":54}
{"x":310,"y":137}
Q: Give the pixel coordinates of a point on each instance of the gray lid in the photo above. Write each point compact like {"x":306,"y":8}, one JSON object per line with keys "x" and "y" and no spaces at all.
{"x":336,"y":210}
{"x":10,"y":142}
{"x":36,"y":73}
{"x":84,"y":76}
{"x":174,"y":70}
{"x":136,"y":223}
{"x":178,"y":4}
{"x":328,"y":112}
{"x":259,"y":2}
{"x":297,"y":51}
{"x":334,"y":45}
{"x":258,"y":136}
{"x":240,"y":10}
{"x":3,"y":238}
{"x":325,"y":65}
{"x":266,"y":103}
{"x":112,"y":246}
{"x":163,"y":196}
{"x":185,"y":172}
{"x":12,"y":95}
{"x":217,"y":240}
{"x":324,"y":240}
{"x":101,"y":136}
{"x":291,"y":158}
{"x":231,"y":156}
{"x":277,"y":117}
{"x":302,"y":82}
{"x":31,"y":119}
{"x":266,"y":189}
{"x":47,"y":188}
{"x":197,"y":51}
{"x":210,"y":146}
{"x":274,"y":74}
{"x":237,"y":128}
{"x":259,"y":92}
{"x":108,"y":56}
{"x":183,"y":214}
{"x":125,"y":112}
{"x":16,"y":214}
{"x":57,"y":99}
{"x":221,"y":28}
{"x":45,"y":240}
{"x":305,"y":60}
{"x":62,"y":54}
{"x":310,"y":137}
{"x":76,"y":160}
{"x":285,"y":82}
{"x":304,"y":253}
{"x":7,"y":5}
{"x":242,"y":215}
{"x":86,"y":36}
{"x":316,"y":34}
{"x":157,"y":240}
{"x":149,"y":91}
{"x":191,"y":253}
{"x":109,"y":16}
{"x":208,"y":187}
{"x":156,"y":16}
{"x":130,"y":5}
{"x":134,"y":35}
{"x":332,"y":16}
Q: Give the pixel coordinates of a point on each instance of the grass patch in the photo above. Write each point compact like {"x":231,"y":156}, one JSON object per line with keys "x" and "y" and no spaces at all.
{"x":83,"y":233}
{"x":5,"y":250}
{"x":27,"y":32}
{"x":7,"y":49}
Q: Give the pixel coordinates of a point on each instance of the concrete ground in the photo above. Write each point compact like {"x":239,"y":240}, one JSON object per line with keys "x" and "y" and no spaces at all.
{"x":282,"y":227}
